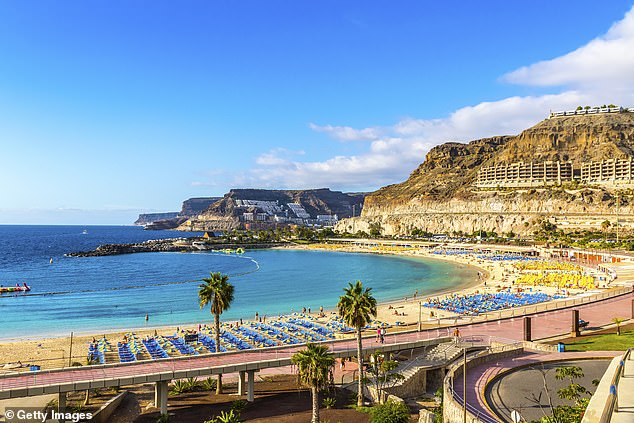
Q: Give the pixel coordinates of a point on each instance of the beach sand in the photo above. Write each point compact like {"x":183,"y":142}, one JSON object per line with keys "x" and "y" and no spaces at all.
{"x":54,"y":352}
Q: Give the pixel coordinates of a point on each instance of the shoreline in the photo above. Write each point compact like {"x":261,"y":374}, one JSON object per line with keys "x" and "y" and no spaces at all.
{"x":53,"y":350}
{"x":472,"y":283}
{"x":46,"y":350}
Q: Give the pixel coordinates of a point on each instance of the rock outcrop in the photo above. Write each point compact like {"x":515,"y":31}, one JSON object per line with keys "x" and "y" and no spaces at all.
{"x":439,"y":195}
{"x":226,"y":213}
{"x":171,"y":220}
{"x":148,"y":218}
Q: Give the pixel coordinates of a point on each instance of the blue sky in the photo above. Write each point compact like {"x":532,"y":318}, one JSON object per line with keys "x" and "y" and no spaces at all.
{"x":111,"y":108}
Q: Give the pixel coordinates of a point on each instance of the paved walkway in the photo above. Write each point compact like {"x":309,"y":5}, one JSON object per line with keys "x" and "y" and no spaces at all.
{"x":546,"y":324}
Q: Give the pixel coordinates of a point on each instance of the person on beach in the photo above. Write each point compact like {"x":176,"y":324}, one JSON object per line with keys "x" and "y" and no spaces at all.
{"x":147,"y":317}
{"x":378,"y":334}
{"x":382,"y":335}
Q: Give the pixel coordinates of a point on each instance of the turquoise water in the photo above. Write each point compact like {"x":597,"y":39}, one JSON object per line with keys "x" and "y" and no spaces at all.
{"x":91,"y":294}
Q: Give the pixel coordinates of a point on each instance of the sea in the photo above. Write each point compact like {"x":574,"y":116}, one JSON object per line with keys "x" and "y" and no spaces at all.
{"x":99,"y":294}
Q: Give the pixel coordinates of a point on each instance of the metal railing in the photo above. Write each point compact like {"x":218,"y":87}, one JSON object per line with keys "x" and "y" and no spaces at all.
{"x":478,"y":414}
{"x":612,"y":404}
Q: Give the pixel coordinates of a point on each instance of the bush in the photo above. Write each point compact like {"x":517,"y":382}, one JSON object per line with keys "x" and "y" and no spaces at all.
{"x":230,"y":417}
{"x":390,"y":412}
{"x":192,"y":384}
{"x":209,"y":384}
{"x":178,"y":387}
{"x":329,"y":402}
{"x":239,"y":405}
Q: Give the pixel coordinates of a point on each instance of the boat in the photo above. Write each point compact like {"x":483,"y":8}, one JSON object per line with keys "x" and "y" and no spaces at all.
{"x":84,"y":232}
{"x":16,"y":288}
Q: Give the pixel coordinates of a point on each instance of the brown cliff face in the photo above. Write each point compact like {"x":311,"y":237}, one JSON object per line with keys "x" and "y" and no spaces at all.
{"x":439,"y":194}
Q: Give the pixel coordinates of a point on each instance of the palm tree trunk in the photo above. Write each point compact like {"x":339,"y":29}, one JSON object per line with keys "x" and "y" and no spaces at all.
{"x":217,"y":324}
{"x":360,"y":361}
{"x":315,"y":393}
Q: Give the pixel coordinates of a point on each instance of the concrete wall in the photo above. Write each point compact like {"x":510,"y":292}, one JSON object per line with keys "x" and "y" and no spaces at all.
{"x":103,"y":414}
{"x":413,"y":386}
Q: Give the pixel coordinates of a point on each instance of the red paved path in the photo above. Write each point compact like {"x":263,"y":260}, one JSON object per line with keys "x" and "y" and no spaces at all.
{"x":545,"y":324}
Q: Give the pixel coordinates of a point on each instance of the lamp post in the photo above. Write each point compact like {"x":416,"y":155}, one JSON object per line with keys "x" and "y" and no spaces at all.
{"x":464,"y":384}
{"x":420,"y":316}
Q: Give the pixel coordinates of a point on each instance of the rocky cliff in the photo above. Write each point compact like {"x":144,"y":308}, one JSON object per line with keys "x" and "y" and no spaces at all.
{"x":170,"y":220}
{"x":148,"y":218}
{"x":225,"y":214}
{"x":439,"y":195}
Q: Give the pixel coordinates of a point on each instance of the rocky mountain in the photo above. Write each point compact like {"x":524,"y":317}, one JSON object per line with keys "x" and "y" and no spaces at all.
{"x":147,"y":218}
{"x":261,"y":207}
{"x":170,"y":220}
{"x":440,"y":196}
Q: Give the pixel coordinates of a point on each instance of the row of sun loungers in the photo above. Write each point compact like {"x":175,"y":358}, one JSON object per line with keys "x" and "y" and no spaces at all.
{"x":289,"y":330}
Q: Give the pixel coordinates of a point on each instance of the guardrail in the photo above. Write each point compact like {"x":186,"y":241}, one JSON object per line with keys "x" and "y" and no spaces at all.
{"x":612,"y":404}
{"x":451,"y":396}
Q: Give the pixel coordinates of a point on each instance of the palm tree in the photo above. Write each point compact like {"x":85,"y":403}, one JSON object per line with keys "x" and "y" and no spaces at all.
{"x":218,"y":292}
{"x":314,"y":365}
{"x":618,"y":321}
{"x":356,"y":307}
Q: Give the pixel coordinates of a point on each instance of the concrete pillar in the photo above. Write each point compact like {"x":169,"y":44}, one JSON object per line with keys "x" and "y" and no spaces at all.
{"x":241,"y":383}
{"x":575,"y":324}
{"x":632,"y":309}
{"x":527,"y":329}
{"x":160,"y":396}
{"x":250,"y":385}
{"x":61,"y":405}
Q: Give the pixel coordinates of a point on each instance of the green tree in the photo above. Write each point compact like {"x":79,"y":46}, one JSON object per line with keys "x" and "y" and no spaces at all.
{"x":574,"y":392}
{"x":383,"y":374}
{"x":375,"y":229}
{"x":314,"y":369}
{"x":218,"y":292}
{"x":357,"y":307}
{"x":617,"y":321}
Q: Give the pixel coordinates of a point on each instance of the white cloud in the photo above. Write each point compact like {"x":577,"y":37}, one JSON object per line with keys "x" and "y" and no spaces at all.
{"x":604,"y":66}
{"x":347,"y":133}
{"x":599,"y":72}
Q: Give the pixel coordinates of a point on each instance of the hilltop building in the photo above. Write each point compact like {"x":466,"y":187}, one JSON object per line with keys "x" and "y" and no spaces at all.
{"x":607,"y":173}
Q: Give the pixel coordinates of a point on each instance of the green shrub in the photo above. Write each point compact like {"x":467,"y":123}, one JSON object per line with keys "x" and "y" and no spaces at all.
{"x":178,"y":387}
{"x":239,"y":405}
{"x":192,"y":384}
{"x":209,"y":384}
{"x":329,"y":402}
{"x":224,"y":417}
{"x":390,"y":412}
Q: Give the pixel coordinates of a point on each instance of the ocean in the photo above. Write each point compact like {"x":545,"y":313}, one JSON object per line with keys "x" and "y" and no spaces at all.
{"x":94,"y":294}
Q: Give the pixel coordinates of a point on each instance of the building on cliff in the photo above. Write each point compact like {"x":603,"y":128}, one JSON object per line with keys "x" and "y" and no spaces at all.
{"x":608,"y":173}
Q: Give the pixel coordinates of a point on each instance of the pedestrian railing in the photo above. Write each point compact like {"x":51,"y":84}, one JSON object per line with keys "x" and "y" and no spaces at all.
{"x":612,"y":404}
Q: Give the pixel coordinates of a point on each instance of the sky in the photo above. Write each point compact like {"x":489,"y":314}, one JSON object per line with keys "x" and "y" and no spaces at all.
{"x":113,"y":108}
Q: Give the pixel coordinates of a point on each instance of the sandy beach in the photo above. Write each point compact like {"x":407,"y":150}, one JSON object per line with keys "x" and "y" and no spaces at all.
{"x":53,"y":352}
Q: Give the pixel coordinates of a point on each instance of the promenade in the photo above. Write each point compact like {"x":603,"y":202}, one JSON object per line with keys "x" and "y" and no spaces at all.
{"x":545,"y":324}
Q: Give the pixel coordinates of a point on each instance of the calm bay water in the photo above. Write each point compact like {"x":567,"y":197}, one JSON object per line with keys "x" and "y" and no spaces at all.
{"x":91,"y":294}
